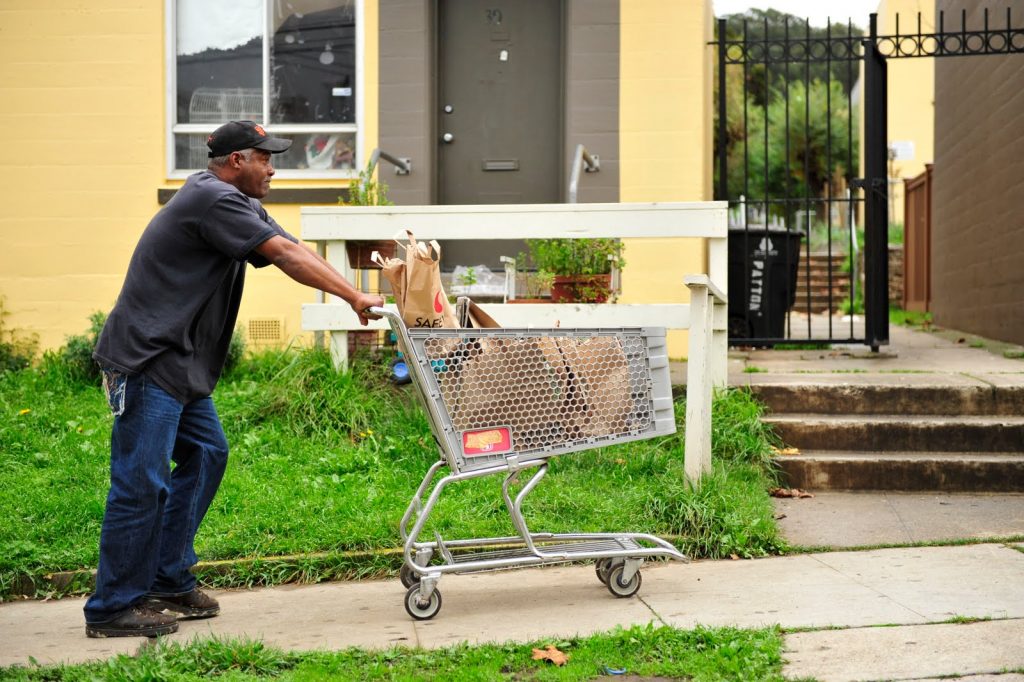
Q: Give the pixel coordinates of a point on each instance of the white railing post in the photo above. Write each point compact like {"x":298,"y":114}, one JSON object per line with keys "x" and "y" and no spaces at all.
{"x":337,"y":255}
{"x":703,"y":369}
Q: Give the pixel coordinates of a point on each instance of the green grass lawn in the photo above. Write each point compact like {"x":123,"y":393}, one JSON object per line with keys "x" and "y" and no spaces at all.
{"x":323,"y":462}
{"x":699,"y":654}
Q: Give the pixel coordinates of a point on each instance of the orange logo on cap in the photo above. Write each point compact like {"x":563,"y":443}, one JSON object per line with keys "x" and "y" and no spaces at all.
{"x":259,"y":129}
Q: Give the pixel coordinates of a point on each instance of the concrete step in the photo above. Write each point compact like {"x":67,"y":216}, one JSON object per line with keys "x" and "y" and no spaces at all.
{"x":917,"y":433}
{"x":822,"y":292}
{"x":821,"y":287}
{"x":821,"y":268}
{"x":905,"y":471}
{"x":910,"y":394}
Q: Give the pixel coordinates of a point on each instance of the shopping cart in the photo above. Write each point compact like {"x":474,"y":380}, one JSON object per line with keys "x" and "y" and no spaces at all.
{"x":502,"y":401}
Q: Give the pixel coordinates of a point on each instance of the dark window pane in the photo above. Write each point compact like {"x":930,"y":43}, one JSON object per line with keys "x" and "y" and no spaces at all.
{"x":315,"y":151}
{"x":312,"y":62}
{"x":219,"y":60}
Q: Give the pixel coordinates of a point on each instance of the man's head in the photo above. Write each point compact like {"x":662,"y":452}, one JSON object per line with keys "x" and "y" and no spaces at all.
{"x":240,"y":155}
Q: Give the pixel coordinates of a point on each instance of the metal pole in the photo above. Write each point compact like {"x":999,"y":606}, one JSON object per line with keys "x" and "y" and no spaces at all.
{"x":723,"y":128}
{"x":876,"y":228}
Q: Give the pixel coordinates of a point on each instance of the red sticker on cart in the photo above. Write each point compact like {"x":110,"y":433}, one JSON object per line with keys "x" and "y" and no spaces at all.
{"x":486,"y":442}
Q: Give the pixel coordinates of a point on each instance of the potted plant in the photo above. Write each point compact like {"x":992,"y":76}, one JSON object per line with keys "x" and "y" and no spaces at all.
{"x":365,"y":190}
{"x":581,"y":268}
{"x":537,"y":282}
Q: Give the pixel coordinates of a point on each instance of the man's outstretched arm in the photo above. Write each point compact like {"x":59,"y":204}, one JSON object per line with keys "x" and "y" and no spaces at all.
{"x":306,"y":267}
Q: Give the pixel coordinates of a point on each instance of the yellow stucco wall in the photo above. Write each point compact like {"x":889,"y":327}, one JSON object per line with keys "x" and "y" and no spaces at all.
{"x":665,"y":109}
{"x":911,"y":115}
{"x":83,"y":130}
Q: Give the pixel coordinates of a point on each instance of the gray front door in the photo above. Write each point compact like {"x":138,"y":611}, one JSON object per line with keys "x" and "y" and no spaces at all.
{"x":499,"y":121}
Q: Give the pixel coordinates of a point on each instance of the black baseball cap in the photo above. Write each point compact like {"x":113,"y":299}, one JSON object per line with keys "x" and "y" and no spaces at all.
{"x":238,"y":135}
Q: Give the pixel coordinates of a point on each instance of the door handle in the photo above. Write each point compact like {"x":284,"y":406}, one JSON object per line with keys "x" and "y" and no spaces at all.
{"x":447,"y":138}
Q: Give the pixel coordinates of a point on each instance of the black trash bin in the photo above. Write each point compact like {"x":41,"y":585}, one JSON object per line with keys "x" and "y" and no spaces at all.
{"x":762,"y":281}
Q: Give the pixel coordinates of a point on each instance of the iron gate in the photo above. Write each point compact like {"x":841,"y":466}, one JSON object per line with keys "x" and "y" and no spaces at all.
{"x":795,"y":205}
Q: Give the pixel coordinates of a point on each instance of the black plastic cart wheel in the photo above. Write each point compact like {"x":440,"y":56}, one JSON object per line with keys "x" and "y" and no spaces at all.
{"x":408,"y":576}
{"x":603,"y":567}
{"x":619,"y":588}
{"x":419,"y":610}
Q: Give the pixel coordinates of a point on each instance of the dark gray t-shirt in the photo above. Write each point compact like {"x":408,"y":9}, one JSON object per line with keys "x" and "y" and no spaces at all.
{"x":177,"y":309}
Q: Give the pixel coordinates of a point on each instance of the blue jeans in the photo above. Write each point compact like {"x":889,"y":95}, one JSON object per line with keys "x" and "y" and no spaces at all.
{"x":146,"y":544}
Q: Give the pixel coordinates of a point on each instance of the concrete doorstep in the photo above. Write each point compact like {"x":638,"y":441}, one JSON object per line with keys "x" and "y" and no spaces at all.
{"x":851,"y":590}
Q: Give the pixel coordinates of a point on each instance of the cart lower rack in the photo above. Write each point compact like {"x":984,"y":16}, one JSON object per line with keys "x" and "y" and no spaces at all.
{"x":504,"y":401}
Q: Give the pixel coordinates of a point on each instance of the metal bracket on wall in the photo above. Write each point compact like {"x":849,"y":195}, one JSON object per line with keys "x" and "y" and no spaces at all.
{"x":581,"y":156}
{"x":402,"y":164}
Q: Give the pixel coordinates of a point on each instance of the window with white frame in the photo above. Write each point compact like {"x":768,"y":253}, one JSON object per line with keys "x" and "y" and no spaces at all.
{"x":290,"y":65}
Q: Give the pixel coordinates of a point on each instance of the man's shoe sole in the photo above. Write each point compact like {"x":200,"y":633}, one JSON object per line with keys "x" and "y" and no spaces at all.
{"x":99,"y":631}
{"x":183,"y":612}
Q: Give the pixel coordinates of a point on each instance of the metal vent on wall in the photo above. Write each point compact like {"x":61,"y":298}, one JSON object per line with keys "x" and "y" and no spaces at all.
{"x":265,"y":329}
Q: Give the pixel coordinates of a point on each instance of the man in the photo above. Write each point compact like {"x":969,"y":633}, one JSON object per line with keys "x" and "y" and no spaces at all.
{"x":162,"y":351}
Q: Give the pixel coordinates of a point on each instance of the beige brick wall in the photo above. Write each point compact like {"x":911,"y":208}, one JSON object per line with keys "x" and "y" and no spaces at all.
{"x":978,"y":193}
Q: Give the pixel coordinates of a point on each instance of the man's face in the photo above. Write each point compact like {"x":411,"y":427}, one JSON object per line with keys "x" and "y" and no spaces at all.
{"x":256,"y":171}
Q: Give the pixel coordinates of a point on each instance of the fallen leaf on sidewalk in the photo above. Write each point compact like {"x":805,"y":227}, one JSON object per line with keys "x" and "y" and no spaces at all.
{"x":789,"y":492}
{"x":551,"y":653}
{"x":786,"y":451}
{"x":734,"y":557}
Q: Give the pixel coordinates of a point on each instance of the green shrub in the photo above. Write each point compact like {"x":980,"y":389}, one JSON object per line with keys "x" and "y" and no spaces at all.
{"x":16,"y":349}
{"x":236,"y":350}
{"x":76,"y":354}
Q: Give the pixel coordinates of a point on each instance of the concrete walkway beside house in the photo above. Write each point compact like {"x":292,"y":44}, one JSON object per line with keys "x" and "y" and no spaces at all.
{"x":920,"y":612}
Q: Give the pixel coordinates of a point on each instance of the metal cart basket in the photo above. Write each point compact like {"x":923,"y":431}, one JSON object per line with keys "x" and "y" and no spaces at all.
{"x":506,"y":400}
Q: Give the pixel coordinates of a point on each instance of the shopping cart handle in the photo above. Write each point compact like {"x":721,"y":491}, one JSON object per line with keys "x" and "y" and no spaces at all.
{"x":389,"y":315}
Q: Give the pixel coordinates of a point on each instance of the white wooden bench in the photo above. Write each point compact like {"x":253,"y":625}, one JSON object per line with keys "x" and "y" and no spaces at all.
{"x":705,"y":316}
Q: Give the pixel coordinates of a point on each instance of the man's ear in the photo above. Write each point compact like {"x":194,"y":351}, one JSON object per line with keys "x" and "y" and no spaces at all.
{"x":235,"y":159}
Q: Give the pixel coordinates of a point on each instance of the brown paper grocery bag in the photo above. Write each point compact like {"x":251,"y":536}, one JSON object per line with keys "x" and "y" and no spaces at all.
{"x":416,"y":284}
{"x":426,"y":304}
{"x":600,"y":393}
{"x":393,"y":270}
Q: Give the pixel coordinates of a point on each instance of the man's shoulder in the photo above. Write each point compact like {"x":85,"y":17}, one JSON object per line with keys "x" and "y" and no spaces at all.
{"x":206,"y":189}
{"x":207,"y":183}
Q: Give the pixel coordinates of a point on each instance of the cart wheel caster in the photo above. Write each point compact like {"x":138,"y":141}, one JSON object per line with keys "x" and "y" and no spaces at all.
{"x":418,"y":610}
{"x":620,"y":589}
{"x":603,"y":567}
{"x":408,"y":576}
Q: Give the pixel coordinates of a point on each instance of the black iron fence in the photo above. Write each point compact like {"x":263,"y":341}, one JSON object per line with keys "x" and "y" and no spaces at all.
{"x":809,"y":225}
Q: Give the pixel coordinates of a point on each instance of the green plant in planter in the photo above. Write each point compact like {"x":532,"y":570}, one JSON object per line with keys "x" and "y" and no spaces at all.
{"x":581,"y":267}
{"x":569,"y":257}
{"x":537,"y":281}
{"x":365,"y":190}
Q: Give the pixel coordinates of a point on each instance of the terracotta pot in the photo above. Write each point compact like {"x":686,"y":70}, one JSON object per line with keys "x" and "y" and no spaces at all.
{"x":581,"y":288}
{"x":359,"y":252}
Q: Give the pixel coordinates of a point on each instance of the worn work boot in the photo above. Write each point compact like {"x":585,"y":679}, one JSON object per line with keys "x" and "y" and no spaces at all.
{"x":194,"y":604}
{"x":134,"y":621}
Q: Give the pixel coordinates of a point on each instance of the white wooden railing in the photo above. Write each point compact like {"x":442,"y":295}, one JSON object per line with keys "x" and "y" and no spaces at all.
{"x":704,"y":316}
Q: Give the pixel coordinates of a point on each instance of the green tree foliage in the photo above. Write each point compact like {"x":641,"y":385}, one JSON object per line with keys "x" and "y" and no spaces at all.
{"x":789,"y":126}
{"x":804,"y":165}
{"x":777,"y":26}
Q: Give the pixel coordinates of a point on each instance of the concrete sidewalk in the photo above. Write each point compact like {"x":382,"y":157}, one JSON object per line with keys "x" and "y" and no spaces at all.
{"x":912,"y":588}
{"x":836,"y":601}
